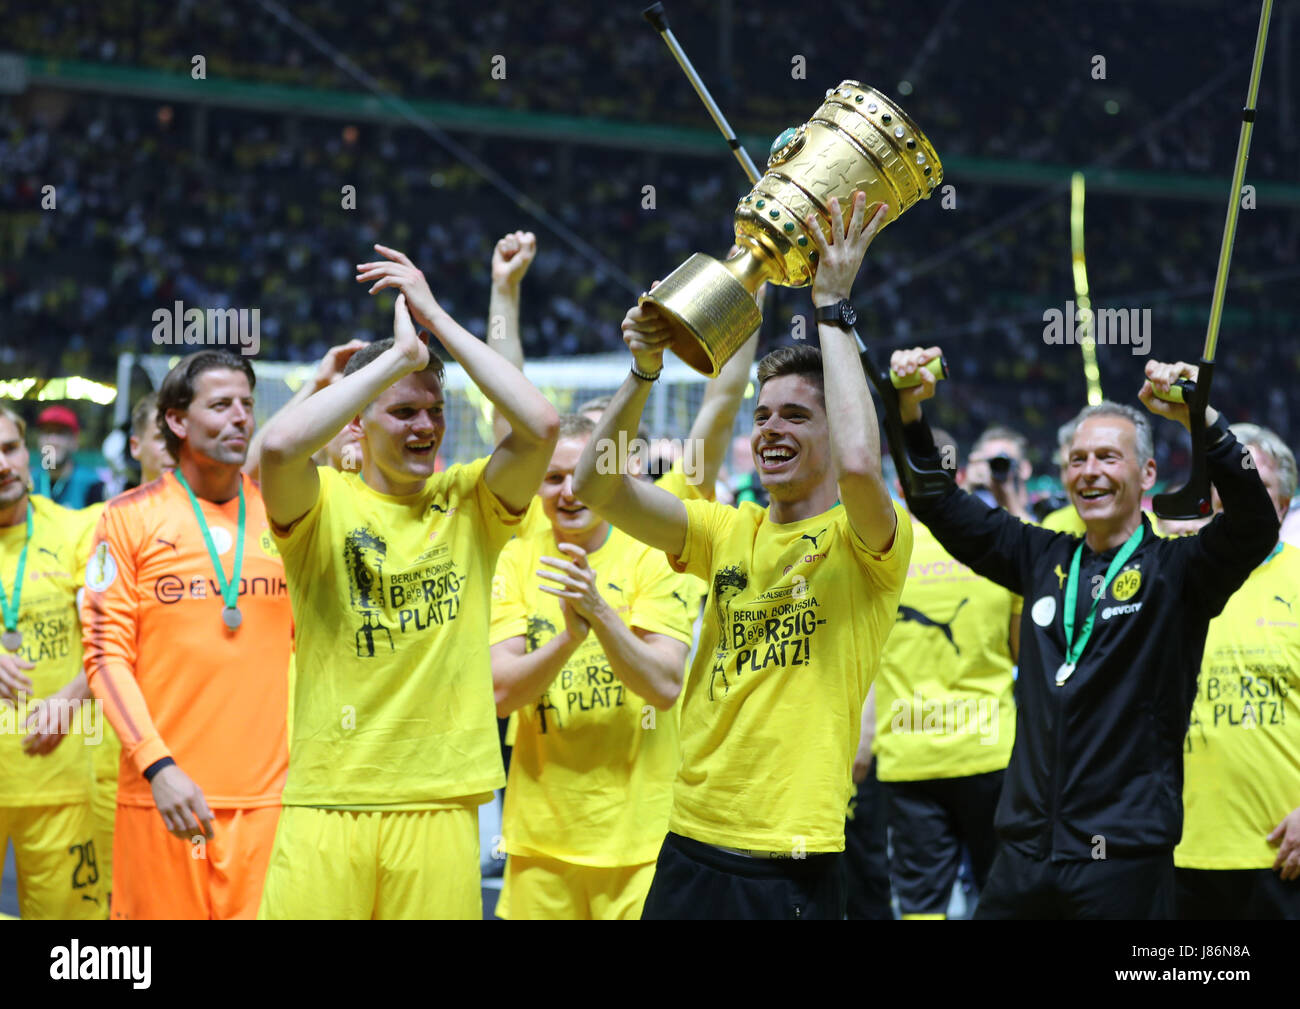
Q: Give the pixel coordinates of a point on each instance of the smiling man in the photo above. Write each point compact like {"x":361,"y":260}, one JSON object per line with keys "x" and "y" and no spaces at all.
{"x":44,"y":779}
{"x":588,"y":658}
{"x":801,"y":598}
{"x":1239,"y":858}
{"x":1110,"y":646}
{"x":394,"y":740}
{"x":187,"y":631}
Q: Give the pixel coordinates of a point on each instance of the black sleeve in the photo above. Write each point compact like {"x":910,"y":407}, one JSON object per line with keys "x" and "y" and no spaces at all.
{"x":989,"y":541}
{"x":1226,"y":551}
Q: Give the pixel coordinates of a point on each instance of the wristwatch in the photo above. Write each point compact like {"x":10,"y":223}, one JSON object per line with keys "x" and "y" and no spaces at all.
{"x":840,"y":314}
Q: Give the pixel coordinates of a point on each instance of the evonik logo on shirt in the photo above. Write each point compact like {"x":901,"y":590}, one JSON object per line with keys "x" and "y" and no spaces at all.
{"x":170,"y":589}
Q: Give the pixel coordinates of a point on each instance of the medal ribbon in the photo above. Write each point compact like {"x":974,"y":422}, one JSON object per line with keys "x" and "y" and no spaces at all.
{"x":229,"y":589}
{"x":10,"y":609}
{"x":1074,"y":648}
{"x":45,"y":490}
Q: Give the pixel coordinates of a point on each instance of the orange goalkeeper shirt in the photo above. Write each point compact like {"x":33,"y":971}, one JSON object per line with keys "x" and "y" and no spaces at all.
{"x":174,"y":681}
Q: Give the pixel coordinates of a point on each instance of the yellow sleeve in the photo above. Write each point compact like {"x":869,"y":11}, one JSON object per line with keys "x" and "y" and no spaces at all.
{"x":86,"y":542}
{"x":300,"y":537}
{"x":665,"y":601}
{"x":509,"y":613}
{"x":707,"y":522}
{"x":676,"y":483}
{"x":886,"y":571}
{"x":499,"y":521}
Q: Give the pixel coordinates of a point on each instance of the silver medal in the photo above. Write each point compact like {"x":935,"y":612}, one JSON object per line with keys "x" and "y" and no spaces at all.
{"x":1064,"y":672}
{"x":12,"y":640}
{"x":231,"y":617}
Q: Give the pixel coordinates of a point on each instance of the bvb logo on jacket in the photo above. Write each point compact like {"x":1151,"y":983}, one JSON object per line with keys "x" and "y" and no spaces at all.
{"x":1122,"y":589}
{"x":1126,"y":584}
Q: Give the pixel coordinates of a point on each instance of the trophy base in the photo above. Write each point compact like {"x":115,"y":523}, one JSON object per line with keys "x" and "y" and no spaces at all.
{"x":710,"y":308}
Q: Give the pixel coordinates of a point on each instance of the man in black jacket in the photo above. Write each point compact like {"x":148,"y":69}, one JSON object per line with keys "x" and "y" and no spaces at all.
{"x":1110,"y":644}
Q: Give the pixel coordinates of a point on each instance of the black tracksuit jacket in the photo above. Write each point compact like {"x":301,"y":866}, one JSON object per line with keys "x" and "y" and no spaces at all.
{"x":1101,"y":757}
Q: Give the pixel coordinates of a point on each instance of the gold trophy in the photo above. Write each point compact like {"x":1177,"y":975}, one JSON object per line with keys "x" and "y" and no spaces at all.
{"x":857,"y":139}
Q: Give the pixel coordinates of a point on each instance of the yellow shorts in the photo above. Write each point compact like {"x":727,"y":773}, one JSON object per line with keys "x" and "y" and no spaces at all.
{"x":339,"y":863}
{"x":103,"y":804}
{"x":54,"y":853}
{"x":548,"y":889}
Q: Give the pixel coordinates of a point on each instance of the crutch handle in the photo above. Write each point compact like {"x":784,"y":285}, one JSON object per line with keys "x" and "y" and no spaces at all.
{"x":937,"y":367}
{"x":1181,"y":391}
{"x":657,"y":16}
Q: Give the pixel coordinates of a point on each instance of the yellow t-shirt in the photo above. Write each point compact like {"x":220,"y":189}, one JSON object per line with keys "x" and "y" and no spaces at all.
{"x":1241,"y":762}
{"x":796,"y":618}
{"x":534,"y":523}
{"x":107,"y":755}
{"x":592,"y":770}
{"x":393,"y":700}
{"x":944,"y":706}
{"x":1066,"y":520}
{"x":678,"y":484}
{"x":51,"y":630}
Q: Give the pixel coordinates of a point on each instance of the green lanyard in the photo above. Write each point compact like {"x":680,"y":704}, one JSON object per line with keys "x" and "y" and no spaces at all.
{"x":230,"y":615}
{"x":1074,"y":648}
{"x":45,"y":490}
{"x":12,"y":639}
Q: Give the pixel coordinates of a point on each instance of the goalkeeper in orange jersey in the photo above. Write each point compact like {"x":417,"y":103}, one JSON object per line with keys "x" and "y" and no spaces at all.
{"x":187,"y":633}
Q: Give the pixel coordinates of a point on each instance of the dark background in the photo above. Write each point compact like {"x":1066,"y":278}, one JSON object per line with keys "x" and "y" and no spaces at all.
{"x":176,"y":188}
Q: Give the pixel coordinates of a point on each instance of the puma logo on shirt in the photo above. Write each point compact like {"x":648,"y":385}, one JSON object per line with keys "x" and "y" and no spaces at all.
{"x":906,"y":613}
{"x":813,"y":538}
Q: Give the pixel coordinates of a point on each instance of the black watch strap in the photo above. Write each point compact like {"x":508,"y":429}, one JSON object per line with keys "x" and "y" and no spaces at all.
{"x":839,"y":314}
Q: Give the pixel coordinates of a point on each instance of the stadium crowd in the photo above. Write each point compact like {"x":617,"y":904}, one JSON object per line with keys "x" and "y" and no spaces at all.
{"x":383,"y":823}
{"x":404,"y":633}
{"x":248,"y":212}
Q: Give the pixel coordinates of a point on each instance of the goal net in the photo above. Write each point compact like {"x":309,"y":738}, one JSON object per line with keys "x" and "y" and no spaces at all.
{"x":567,"y":383}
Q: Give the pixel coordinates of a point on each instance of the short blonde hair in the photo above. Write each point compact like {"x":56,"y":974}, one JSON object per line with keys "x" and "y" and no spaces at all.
{"x":17,"y":419}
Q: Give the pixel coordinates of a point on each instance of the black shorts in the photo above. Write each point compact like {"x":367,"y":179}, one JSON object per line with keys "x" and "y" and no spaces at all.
{"x":695,"y":881}
{"x":1236,"y":895}
{"x":866,"y":854}
{"x":929,"y":822}
{"x":1135,"y":888}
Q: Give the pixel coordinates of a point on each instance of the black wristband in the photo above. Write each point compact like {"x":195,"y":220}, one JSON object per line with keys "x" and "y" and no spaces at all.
{"x":644,"y":377}
{"x":156,"y":766}
{"x":1216,"y":432}
{"x":919,"y":439}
